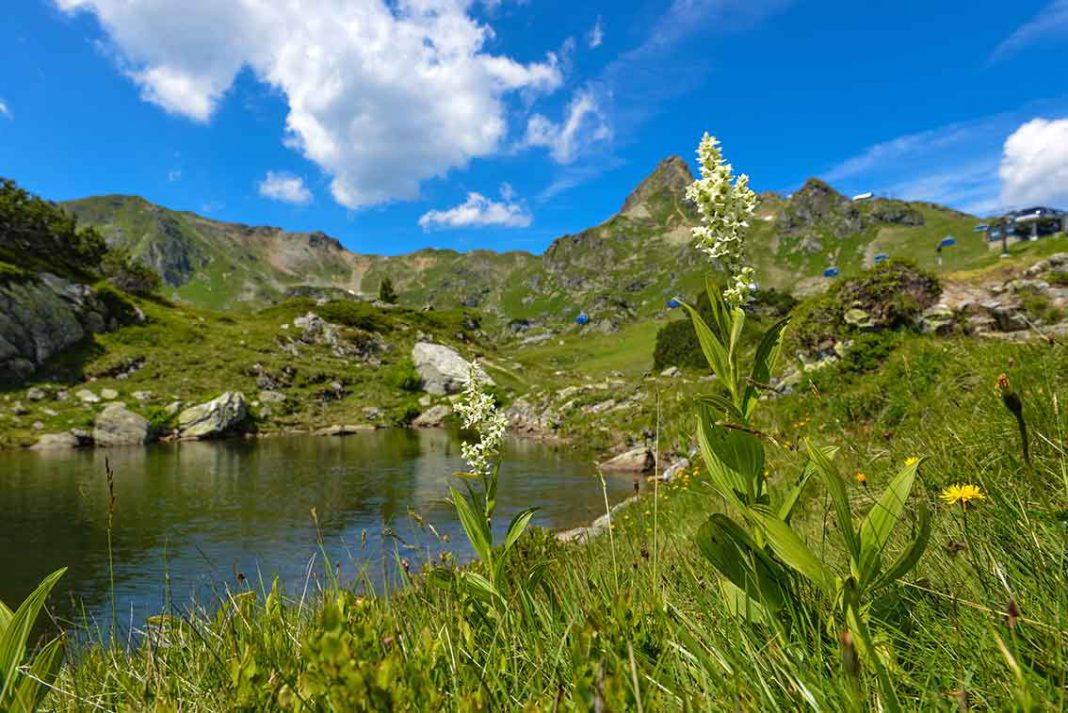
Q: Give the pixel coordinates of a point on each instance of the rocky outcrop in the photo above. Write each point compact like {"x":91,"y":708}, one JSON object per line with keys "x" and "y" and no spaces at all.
{"x":118,"y":426}
{"x":222,"y":416}
{"x":43,"y":315}
{"x":442,"y":370}
{"x":56,"y":442}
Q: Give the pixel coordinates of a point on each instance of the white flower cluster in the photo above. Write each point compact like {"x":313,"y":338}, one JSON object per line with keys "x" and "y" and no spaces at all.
{"x":725,"y":208}
{"x":480,"y":414}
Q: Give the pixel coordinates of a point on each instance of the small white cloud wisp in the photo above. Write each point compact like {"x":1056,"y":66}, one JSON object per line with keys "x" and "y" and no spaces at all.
{"x":285,"y":187}
{"x":478,"y":211}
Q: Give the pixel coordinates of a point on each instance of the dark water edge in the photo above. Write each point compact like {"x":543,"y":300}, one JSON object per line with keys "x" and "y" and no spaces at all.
{"x":194,"y":519}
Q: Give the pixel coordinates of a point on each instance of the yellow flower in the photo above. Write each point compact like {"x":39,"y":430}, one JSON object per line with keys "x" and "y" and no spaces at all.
{"x":911,"y":459}
{"x":861,"y":478}
{"x":962,"y":494}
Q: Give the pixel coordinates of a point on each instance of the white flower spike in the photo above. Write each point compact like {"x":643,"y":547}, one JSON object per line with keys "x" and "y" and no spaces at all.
{"x":725,"y":208}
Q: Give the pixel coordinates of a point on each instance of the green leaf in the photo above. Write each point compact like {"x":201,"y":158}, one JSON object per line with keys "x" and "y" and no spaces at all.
{"x":31,"y":691}
{"x":767,"y":354}
{"x":714,"y":351}
{"x":879,"y":523}
{"x":479,"y":587}
{"x":723,"y":404}
{"x":786,"y":509}
{"x":732,"y":551}
{"x":517,"y":526}
{"x":793,"y":551}
{"x":911,"y":554}
{"x":720,"y":311}
{"x":866,"y":648}
{"x":839,"y":498}
{"x":5,"y":617}
{"x":17,"y":632}
{"x":735,"y":459}
{"x":474,"y":525}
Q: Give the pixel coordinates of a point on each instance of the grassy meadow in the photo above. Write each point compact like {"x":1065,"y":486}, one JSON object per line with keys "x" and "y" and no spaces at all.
{"x":633,"y":619}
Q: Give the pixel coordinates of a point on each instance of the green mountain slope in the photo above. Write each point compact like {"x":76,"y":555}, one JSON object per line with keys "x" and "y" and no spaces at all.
{"x":625,"y":268}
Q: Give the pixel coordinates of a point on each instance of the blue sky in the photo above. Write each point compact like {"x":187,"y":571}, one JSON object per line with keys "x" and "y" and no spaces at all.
{"x":505,"y":123}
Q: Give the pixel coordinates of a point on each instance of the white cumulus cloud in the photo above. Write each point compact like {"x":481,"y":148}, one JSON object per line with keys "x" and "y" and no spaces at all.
{"x":478,"y":211}
{"x":285,"y":187}
{"x":585,"y":123}
{"x":1034,"y":165}
{"x":5,"y":111}
{"x":381,"y":95}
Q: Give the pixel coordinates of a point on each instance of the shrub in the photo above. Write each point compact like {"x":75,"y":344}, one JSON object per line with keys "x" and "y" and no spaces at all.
{"x":354,"y":314}
{"x":893,"y":294}
{"x":403,"y":376}
{"x":386,"y":293}
{"x":121,"y":270}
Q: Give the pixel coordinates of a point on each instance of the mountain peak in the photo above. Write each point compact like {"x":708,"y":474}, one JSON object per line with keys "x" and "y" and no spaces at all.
{"x":671,"y":177}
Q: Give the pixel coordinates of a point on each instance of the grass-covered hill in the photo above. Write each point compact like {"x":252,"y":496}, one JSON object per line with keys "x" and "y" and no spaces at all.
{"x":627,"y":267}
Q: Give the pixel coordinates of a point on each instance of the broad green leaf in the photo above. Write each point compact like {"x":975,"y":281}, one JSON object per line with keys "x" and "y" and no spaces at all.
{"x":17,"y":633}
{"x":5,"y":617}
{"x":723,"y":404}
{"x":737,"y":322}
{"x":517,"y":526}
{"x":742,"y":605}
{"x":767,"y":354}
{"x":735,"y":459}
{"x":731,"y":551}
{"x":839,"y":498}
{"x":786,"y":509}
{"x":720,"y":312}
{"x":714,"y":351}
{"x":911,"y":554}
{"x":474,"y":525}
{"x":793,"y":551}
{"x":879,"y":523}
{"x":479,"y":587}
{"x":30,"y":690}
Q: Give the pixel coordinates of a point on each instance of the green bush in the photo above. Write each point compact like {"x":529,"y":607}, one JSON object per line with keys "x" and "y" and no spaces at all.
{"x":354,"y":314}
{"x":119,"y":267}
{"x":403,"y":376}
{"x":37,"y":235}
{"x":893,"y":294}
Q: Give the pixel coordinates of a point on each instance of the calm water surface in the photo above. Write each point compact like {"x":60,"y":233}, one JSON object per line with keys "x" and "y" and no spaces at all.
{"x":200,"y":513}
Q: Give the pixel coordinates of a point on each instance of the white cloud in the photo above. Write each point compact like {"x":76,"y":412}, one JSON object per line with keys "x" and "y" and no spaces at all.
{"x":595,"y":37}
{"x":1034,"y":165}
{"x":174,"y":175}
{"x":1051,"y":21}
{"x":585,"y":124}
{"x":5,"y":111}
{"x":480,"y":212}
{"x":285,"y":187}
{"x":381,"y":95}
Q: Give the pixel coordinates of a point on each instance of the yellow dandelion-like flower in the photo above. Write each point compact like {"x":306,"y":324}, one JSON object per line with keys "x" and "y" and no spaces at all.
{"x":911,"y":460}
{"x":962,"y":494}
{"x":861,"y":478}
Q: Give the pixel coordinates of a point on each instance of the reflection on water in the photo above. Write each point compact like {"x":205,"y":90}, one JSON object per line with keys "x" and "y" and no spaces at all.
{"x":202,"y":512}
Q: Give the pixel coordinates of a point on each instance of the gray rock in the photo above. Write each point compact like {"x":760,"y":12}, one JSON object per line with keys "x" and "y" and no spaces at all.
{"x":272,"y":397}
{"x":87,"y":397}
{"x":937,"y":320}
{"x":434,"y":417}
{"x":373,"y":413}
{"x":18,"y":409}
{"x":109,"y":394}
{"x":63,"y":395}
{"x":636,"y":460}
{"x":118,"y":426}
{"x":442,"y":370}
{"x":674,"y":470}
{"x":223,"y":415}
{"x":142,"y":395}
{"x":36,"y":394}
{"x":56,"y":442}
{"x":345,"y":430}
{"x":37,"y":426}
{"x":671,"y":372}
{"x":42,"y":316}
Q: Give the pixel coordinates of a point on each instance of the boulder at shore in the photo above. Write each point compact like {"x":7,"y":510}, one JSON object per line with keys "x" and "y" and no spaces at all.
{"x":636,"y":460}
{"x":118,"y":426}
{"x":223,"y":415}
{"x":433,"y":417}
{"x":442,"y":370}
